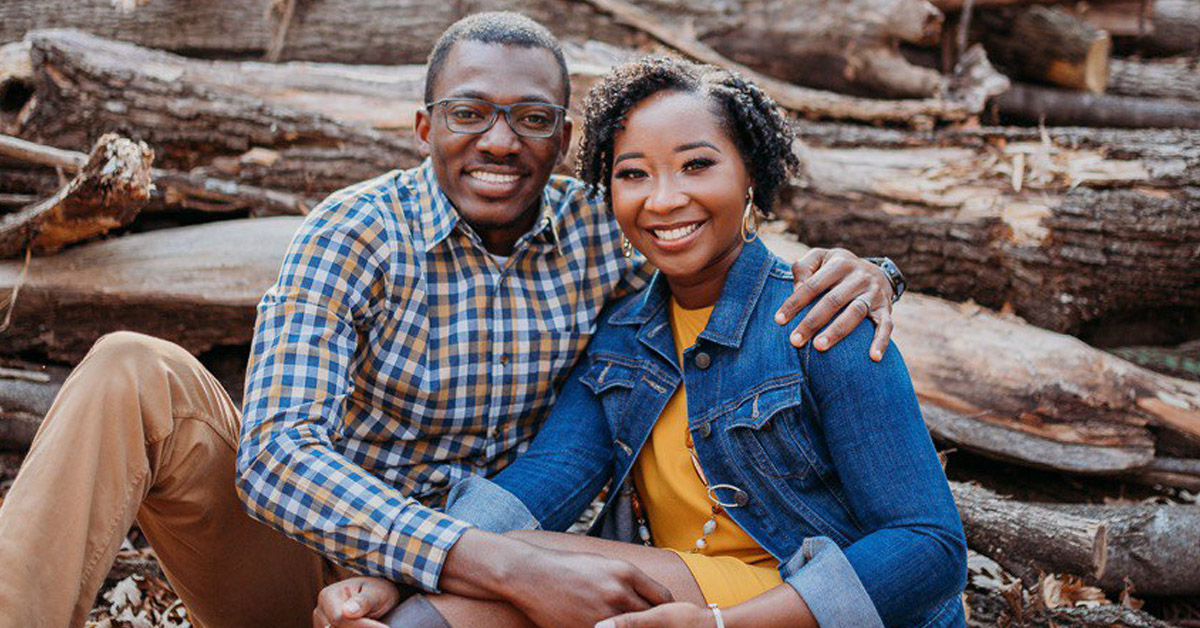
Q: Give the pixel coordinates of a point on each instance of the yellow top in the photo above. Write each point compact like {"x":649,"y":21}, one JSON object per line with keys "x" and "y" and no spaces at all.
{"x":676,"y":501}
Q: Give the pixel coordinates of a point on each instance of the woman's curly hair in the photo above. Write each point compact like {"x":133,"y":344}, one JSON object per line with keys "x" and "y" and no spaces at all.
{"x":754,"y":122}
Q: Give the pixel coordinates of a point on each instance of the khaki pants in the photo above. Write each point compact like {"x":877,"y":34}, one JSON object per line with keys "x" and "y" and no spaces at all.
{"x":141,"y":431}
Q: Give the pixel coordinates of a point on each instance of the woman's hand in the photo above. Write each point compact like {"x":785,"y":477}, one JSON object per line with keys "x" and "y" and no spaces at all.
{"x":673,"y":615}
{"x":355,"y":603}
{"x":850,"y":283}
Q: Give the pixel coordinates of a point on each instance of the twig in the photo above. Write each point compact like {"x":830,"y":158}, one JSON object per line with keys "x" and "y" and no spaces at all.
{"x":17,"y":148}
{"x":10,"y":303}
{"x":280,"y":32}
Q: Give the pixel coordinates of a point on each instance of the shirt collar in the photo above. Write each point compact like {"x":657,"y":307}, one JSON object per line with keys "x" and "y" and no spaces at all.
{"x":439,"y":218}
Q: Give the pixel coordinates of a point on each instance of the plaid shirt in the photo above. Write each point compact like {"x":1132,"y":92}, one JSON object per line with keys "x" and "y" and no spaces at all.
{"x":395,"y":356}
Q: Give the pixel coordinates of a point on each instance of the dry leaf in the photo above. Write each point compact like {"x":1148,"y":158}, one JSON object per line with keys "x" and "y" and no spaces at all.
{"x":1070,"y":591}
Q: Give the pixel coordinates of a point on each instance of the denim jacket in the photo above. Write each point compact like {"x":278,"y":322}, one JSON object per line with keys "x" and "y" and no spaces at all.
{"x":823,"y":455}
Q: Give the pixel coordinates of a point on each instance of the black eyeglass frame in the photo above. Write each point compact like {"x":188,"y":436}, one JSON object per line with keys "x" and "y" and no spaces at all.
{"x":496,"y":111}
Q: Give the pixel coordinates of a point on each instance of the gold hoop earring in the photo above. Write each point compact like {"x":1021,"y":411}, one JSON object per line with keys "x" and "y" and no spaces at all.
{"x":626,"y":246}
{"x":749,"y":218}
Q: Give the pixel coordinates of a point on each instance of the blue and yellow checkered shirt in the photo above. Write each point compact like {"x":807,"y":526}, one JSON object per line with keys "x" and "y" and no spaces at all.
{"x":395,"y":356}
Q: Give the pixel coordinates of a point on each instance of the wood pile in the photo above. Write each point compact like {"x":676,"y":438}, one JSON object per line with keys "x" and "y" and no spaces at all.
{"x":1033,"y":166}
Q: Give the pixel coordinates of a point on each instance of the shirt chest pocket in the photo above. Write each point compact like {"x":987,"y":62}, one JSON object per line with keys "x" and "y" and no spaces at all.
{"x":767,"y":428}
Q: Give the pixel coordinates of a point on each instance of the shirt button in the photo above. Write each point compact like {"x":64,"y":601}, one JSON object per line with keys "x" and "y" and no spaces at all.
{"x":705,"y":430}
{"x":493,"y":431}
{"x":504,"y":360}
{"x":703,"y":360}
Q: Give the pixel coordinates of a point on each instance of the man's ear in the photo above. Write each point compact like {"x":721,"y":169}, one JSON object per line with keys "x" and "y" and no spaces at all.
{"x":422,"y":126}
{"x":565,"y":147}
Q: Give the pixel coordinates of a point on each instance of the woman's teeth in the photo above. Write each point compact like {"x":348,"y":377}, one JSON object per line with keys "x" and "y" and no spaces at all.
{"x":494,"y":177}
{"x":675,"y":234}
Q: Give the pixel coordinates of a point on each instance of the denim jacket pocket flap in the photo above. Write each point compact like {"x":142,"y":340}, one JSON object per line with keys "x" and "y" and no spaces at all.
{"x":757,"y":410}
{"x":768,"y":427}
{"x":606,"y":373}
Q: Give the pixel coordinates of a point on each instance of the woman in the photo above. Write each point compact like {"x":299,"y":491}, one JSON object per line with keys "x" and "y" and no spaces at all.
{"x":777,"y":486}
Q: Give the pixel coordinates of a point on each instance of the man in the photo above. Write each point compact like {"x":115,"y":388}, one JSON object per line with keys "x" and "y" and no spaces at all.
{"x":415,"y":337}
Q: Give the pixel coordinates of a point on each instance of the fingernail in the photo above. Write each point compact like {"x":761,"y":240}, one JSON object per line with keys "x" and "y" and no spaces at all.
{"x":780,"y":318}
{"x":875,"y":355}
{"x":608,"y":623}
{"x":351,"y":607}
{"x":821,"y":343}
{"x":798,"y":339}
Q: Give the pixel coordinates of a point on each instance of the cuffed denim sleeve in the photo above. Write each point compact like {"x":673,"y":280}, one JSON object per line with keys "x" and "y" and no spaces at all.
{"x":822,"y":575}
{"x":913,"y":556}
{"x":482,"y":503}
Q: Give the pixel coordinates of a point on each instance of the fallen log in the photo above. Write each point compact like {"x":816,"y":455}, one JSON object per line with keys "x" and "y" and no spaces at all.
{"x":858,"y":36}
{"x":1073,"y":229}
{"x":1115,"y":547}
{"x":1047,"y":44}
{"x":1160,"y":78}
{"x":1026,"y":538}
{"x":1055,"y":107}
{"x":171,"y":190}
{"x":1182,"y":361}
{"x":25,"y":397}
{"x":1018,"y":393}
{"x":1174,"y":29}
{"x":196,"y":286}
{"x":974,"y":81}
{"x":110,"y":189}
{"x":192,"y":113}
{"x":1153,"y":546}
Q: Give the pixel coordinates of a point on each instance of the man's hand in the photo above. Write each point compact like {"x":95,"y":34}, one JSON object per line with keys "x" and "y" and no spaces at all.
{"x":355,"y":603}
{"x":552,"y":588}
{"x":675,"y":615}
{"x":851,"y":284}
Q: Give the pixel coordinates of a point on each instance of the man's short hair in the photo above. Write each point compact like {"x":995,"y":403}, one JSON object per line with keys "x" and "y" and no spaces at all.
{"x":497,"y":27}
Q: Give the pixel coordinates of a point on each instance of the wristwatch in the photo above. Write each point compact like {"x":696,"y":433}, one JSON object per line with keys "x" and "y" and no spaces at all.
{"x":892,"y":272}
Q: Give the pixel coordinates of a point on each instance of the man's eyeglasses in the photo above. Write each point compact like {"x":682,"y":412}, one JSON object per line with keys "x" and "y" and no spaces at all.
{"x":475,"y":116}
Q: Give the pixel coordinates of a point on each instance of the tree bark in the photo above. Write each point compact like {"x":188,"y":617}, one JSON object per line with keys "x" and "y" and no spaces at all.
{"x":1155,"y":546}
{"x":1047,"y":44}
{"x":1165,"y":78}
{"x":108,"y":192}
{"x":974,"y":81}
{"x":1056,"y":107}
{"x":1072,"y":231}
{"x":1174,"y":29}
{"x":1151,"y":548}
{"x":192,"y":113}
{"x":171,"y":190}
{"x":753,"y":32}
{"x":25,"y":397}
{"x":196,"y":286}
{"x":1026,"y":538}
{"x":1012,"y":391}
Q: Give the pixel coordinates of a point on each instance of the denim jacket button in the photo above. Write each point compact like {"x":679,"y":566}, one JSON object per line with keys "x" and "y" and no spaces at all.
{"x":741,"y":498}
{"x":705,"y":430}
{"x":703,"y":360}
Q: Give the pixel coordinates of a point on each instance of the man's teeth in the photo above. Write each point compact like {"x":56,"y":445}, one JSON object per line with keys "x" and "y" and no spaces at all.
{"x":675,"y":234}
{"x":494,"y":177}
